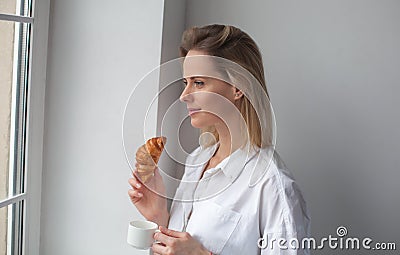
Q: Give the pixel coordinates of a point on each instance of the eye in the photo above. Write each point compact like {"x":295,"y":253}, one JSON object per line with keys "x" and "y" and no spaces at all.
{"x":198,"y":84}
{"x":184,"y":82}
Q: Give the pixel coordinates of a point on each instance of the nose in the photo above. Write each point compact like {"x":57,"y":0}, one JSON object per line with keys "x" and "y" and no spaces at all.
{"x":186,"y":96}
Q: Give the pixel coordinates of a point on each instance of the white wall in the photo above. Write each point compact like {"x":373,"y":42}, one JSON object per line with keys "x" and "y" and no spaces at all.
{"x":332,"y":72}
{"x":98,"y":51}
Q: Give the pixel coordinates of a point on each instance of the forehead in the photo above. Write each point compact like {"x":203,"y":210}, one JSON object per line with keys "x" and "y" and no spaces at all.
{"x":197,"y":64}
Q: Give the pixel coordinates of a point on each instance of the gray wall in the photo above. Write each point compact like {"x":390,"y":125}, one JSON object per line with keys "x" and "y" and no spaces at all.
{"x":98,"y":52}
{"x":170,"y":110}
{"x":332,"y":73}
{"x":330,"y":69}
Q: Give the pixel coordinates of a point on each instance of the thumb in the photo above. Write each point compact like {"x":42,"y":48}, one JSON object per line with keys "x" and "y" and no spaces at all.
{"x":172,"y":233}
{"x":157,"y":176}
{"x":157,"y":172}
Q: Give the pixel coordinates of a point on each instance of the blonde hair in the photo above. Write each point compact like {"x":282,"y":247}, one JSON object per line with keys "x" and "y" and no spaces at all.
{"x":233,"y":44}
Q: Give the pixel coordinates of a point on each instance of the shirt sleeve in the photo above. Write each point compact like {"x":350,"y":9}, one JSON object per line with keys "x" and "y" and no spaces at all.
{"x":284,"y":220}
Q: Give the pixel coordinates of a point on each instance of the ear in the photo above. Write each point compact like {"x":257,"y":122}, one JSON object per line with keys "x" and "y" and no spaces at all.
{"x":238,"y":94}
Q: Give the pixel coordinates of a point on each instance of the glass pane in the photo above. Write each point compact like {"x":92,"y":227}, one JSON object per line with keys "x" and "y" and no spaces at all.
{"x":3,"y":230}
{"x":10,"y":222}
{"x":14,"y":45}
{"x":16,"y":7}
{"x":6,"y":63}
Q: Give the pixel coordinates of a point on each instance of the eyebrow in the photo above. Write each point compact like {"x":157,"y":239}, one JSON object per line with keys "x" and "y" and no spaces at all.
{"x":194,"y":77}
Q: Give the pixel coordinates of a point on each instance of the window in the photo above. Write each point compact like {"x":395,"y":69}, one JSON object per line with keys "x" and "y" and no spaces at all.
{"x":21,"y":117}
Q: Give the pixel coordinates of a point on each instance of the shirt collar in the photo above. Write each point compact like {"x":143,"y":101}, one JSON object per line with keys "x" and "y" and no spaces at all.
{"x":231,"y":166}
{"x":197,"y":160}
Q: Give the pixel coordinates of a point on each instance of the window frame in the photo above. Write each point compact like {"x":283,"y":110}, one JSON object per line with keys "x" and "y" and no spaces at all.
{"x":34,"y":125}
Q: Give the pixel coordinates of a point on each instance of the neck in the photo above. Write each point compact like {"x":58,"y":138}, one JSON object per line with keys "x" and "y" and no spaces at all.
{"x":229,"y":140}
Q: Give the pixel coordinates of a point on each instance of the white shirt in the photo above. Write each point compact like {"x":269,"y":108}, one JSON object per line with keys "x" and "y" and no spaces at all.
{"x":249,"y":195}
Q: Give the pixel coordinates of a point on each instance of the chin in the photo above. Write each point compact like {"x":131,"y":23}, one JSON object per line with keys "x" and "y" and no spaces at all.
{"x":204,"y":120}
{"x":199,"y":122}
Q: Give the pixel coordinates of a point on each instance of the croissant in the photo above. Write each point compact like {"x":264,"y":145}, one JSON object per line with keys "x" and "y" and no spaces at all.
{"x":147,"y":157}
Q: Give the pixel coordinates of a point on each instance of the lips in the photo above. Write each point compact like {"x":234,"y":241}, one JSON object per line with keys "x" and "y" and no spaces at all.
{"x":193,"y":110}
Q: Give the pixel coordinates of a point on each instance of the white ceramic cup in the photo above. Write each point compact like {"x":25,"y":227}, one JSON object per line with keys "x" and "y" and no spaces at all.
{"x":140,"y":233}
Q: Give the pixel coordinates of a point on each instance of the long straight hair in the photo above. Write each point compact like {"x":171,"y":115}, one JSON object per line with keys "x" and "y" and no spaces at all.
{"x":233,"y":44}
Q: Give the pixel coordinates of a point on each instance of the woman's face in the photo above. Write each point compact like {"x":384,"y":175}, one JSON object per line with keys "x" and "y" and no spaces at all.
{"x":210,"y":101}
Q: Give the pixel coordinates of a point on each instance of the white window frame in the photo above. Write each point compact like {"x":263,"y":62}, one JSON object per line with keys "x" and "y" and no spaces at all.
{"x":34,"y":124}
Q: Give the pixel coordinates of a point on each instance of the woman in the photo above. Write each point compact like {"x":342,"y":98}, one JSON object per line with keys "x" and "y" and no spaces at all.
{"x":235,"y":197}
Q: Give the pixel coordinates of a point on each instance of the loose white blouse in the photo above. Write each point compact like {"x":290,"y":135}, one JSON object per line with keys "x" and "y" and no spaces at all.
{"x":247,"y":204}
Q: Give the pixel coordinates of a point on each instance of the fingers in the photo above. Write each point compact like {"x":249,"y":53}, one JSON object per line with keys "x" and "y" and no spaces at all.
{"x":159,"y":249}
{"x":169,"y":240}
{"x":170,"y":232}
{"x":134,"y":182}
{"x":164,"y":239}
{"x":135,"y":195}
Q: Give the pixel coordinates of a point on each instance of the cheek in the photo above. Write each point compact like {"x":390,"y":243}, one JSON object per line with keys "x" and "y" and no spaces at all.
{"x":215,"y":103}
{"x":209,"y":99}
{"x":203,"y":100}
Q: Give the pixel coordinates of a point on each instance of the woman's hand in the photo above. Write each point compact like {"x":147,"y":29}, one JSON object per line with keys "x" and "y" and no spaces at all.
{"x":177,"y":243}
{"x":150,"y":198}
